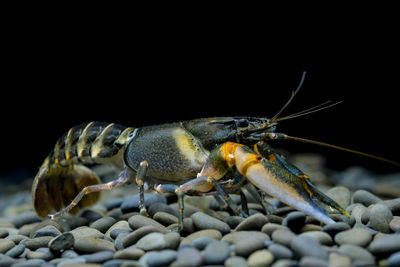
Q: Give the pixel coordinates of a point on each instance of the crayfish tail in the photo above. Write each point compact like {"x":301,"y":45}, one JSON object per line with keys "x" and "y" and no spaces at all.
{"x":54,"y":187}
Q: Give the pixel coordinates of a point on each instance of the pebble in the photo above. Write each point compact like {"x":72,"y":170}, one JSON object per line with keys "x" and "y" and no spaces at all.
{"x":322,"y":237}
{"x":334,"y":228}
{"x":132,"y":203}
{"x":216,"y":252}
{"x":133,"y":237}
{"x":364,"y":197}
{"x":307,"y":246}
{"x":294,"y":220}
{"x":89,"y":244}
{"x":268,"y":228}
{"x":48,"y":230}
{"x":26,"y":217}
{"x":188,"y":256}
{"x":137,"y":221}
{"x":394,"y":260}
{"x":280,"y":251}
{"x":395,"y":224}
{"x":236,"y":261}
{"x":340,"y":194}
{"x":130,"y":253}
{"x":283,"y":236}
{"x":204,"y":221}
{"x":38,"y":242}
{"x":161,"y":258}
{"x":254,"y":222}
{"x":338,"y":260}
{"x":387,"y":244}
{"x":99,"y":257}
{"x":260,"y":258}
{"x":15,"y":251}
{"x":62,"y":242}
{"x":247,"y":244}
{"x":159,"y":206}
{"x":5,"y":245}
{"x":152,"y":241}
{"x":211,"y":233}
{"x":356,"y":236}
{"x":201,"y":242}
{"x":165,"y":218}
{"x":233,"y":221}
{"x":356,"y":253}
{"x":380,"y":217}
{"x":309,"y":261}
{"x":103,"y":224}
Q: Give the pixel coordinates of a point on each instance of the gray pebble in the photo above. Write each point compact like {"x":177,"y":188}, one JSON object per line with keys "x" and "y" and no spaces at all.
{"x":233,"y":221}
{"x":114,"y":203}
{"x":254,"y":222}
{"x":283,"y":236}
{"x":269,"y":228}
{"x":204,"y":221}
{"x":30,"y":263}
{"x":90,"y":244}
{"x":15,"y":251}
{"x":26,"y":217}
{"x":322,"y":237}
{"x":248,"y":244}
{"x":356,"y":253}
{"x":62,"y":242}
{"x":161,"y":258}
{"x":85,"y":231}
{"x":133,"y":237}
{"x":165,"y":218}
{"x":5,"y":245}
{"x":338,"y":260}
{"x":38,"y":242}
{"x":395,"y":224}
{"x":380,"y":217}
{"x":131,"y":253}
{"x":294,"y":220}
{"x":236,"y":261}
{"x":103,"y":224}
{"x":356,"y":236}
{"x":212,"y":233}
{"x":159,"y":206}
{"x":309,"y":261}
{"x":280,"y":251}
{"x":118,"y":241}
{"x":364,"y":197}
{"x":188,"y":256}
{"x":48,"y":230}
{"x":334,"y":228}
{"x":114,"y":233}
{"x":152,"y":241}
{"x":172,"y":240}
{"x":235,"y":237}
{"x":216,"y":253}
{"x":358,"y":211}
{"x":201,"y":242}
{"x":132,"y":203}
{"x":394,"y":260}
{"x":340,"y":194}
{"x":306,"y":246}
{"x":387,"y":244}
{"x":99,"y":257}
{"x":69,"y":254}
{"x":118,"y":225}
{"x":260,"y":258}
{"x":40,"y":253}
{"x":137,"y":221}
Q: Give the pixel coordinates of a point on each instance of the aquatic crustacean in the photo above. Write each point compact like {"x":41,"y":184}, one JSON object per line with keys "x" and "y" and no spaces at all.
{"x":191,"y":157}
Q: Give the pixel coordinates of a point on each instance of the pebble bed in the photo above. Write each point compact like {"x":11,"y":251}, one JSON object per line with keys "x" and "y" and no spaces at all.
{"x":113,"y":233}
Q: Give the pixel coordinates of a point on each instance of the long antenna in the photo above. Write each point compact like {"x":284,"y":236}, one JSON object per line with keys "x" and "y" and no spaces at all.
{"x":340,"y":148}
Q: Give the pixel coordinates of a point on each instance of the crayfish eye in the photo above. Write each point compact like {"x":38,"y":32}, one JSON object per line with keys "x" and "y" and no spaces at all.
{"x":242,"y":123}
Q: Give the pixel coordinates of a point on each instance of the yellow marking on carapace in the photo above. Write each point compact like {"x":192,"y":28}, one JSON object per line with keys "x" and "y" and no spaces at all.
{"x":81,"y":144}
{"x":68,"y":145}
{"x":97,"y":144}
{"x":188,"y":147}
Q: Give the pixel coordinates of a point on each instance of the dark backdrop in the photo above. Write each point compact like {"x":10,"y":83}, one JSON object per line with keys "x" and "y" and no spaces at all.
{"x":54,"y":80}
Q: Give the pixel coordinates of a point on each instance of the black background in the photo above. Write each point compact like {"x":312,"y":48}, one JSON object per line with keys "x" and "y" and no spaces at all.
{"x":57,"y":75}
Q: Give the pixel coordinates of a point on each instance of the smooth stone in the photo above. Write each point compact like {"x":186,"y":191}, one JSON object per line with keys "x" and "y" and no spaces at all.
{"x":118,"y":225}
{"x":44,"y":224}
{"x":356,"y":253}
{"x":254,"y":222}
{"x":38,"y":242}
{"x":131,"y":253}
{"x":188,"y":210}
{"x":114,"y":203}
{"x":16,"y":238}
{"x":152,"y":241}
{"x":188,"y":256}
{"x":216,"y":253}
{"x":358,"y":211}
{"x":269,"y":228}
{"x":322,"y":237}
{"x":62,"y":242}
{"x":286,"y":263}
{"x":309,"y":261}
{"x":214,"y":234}
{"x":165,"y":218}
{"x":387,"y":244}
{"x":85,"y":231}
{"x":69,"y":254}
{"x":334,"y":228}
{"x":48,"y":230}
{"x":99,"y":257}
{"x":307,"y":246}
{"x":294,"y":220}
{"x":236,"y":261}
{"x":395,"y":224}
{"x":248,"y":244}
{"x":161,"y":258}
{"x":356,"y":236}
{"x":260,"y":258}
{"x":159,"y":206}
{"x":341,"y":195}
{"x":132,"y":203}
{"x":283,"y":236}
{"x":5,"y":245}
{"x":201,"y":242}
{"x":26,"y":217}
{"x":364,"y":197}
{"x":40,"y":253}
{"x":137,"y":221}
{"x":380,"y":217}
{"x":233,"y":221}
{"x":116,"y":232}
{"x":133,"y":237}
{"x":15,"y":251}
{"x":203,"y":221}
{"x":235,"y":237}
{"x":172,"y":240}
{"x":91,"y":215}
{"x":30,"y":263}
{"x":394,"y":260}
{"x":92,"y":244}
{"x":280,"y":251}
{"x":338,"y":260}
{"x":103,"y":224}
{"x":393,"y":205}
{"x":118,"y":241}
